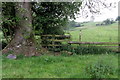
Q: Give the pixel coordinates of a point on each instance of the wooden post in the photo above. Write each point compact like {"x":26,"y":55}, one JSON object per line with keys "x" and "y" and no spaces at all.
{"x":119,"y":47}
{"x":80,"y":34}
{"x":53,"y":42}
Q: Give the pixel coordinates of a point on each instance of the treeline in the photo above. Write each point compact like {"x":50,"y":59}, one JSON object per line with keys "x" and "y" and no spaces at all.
{"x":74,"y":24}
{"x":108,"y":21}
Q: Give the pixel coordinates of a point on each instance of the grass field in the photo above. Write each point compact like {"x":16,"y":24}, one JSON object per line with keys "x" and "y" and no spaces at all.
{"x":92,"y":33}
{"x":54,"y":66}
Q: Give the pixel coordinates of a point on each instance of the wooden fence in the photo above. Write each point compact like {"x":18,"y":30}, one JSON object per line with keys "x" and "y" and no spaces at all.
{"x":54,"y":40}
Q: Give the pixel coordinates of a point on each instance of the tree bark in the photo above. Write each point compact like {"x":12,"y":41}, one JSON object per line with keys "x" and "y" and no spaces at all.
{"x":24,"y":40}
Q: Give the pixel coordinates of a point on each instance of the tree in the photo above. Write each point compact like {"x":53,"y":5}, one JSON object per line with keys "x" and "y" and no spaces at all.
{"x":108,"y":21}
{"x":118,"y":18}
{"x":54,"y":16}
{"x":23,"y":41}
{"x":74,"y":24}
{"x":71,"y":23}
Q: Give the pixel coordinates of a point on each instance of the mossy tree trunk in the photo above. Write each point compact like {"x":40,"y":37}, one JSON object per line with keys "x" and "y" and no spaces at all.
{"x":24,"y":40}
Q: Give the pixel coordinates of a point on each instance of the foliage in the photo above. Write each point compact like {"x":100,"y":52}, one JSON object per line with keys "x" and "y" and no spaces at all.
{"x":54,"y":48}
{"x":66,"y":53}
{"x":74,"y":24}
{"x":52,"y":17}
{"x":46,"y":15}
{"x":9,"y":20}
{"x":118,"y":18}
{"x":82,"y":50}
{"x":68,"y":48}
{"x":102,"y":68}
{"x":108,"y":21}
{"x":91,"y":50}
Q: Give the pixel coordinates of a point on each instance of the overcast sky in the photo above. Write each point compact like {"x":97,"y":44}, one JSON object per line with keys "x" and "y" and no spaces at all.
{"x":106,"y":13}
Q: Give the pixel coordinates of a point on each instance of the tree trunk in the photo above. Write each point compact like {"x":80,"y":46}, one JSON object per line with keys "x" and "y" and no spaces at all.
{"x":24,"y":40}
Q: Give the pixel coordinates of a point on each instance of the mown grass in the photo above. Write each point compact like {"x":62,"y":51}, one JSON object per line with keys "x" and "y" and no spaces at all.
{"x":92,"y":33}
{"x":53,"y":66}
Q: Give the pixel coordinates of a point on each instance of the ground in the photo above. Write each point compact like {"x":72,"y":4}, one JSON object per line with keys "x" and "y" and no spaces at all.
{"x":53,"y":66}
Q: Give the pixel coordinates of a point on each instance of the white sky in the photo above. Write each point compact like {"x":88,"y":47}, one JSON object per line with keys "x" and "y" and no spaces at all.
{"x":106,"y":13}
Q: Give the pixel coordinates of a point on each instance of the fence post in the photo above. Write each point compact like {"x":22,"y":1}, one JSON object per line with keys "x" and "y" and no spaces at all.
{"x":80,"y":34}
{"x":119,"y":47}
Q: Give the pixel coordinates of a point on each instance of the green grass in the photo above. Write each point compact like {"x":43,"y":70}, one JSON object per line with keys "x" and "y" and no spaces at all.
{"x":53,"y":66}
{"x":91,"y":33}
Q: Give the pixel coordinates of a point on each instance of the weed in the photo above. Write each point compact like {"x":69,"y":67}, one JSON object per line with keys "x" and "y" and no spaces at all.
{"x":101,"y":69}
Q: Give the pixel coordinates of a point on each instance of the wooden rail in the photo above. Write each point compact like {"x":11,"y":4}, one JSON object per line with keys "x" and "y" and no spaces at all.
{"x":55,"y":40}
{"x":64,"y":36}
{"x":97,"y":43}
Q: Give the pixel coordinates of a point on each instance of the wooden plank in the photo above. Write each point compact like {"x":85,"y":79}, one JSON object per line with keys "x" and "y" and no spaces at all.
{"x":65,"y":36}
{"x":54,"y":39}
{"x":107,"y":46}
{"x":57,"y":40}
{"x":99,"y":43}
{"x":99,"y":46}
{"x":51,"y":45}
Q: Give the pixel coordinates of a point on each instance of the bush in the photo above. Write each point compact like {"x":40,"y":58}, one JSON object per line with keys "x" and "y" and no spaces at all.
{"x":68,"y":48}
{"x":82,"y":49}
{"x":101,"y":69}
{"x":66,"y":53}
{"x":91,"y":50}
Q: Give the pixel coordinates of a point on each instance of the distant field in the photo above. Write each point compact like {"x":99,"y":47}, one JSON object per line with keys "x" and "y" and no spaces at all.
{"x":92,"y":33}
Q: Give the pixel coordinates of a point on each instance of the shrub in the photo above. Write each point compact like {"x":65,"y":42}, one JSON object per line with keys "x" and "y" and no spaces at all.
{"x":101,"y":69}
{"x":66,"y":53}
{"x":82,"y":49}
{"x":91,"y":50}
{"x":68,"y":48}
{"x":54,"y":48}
